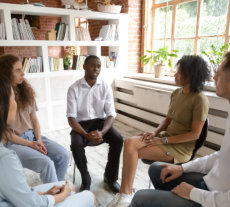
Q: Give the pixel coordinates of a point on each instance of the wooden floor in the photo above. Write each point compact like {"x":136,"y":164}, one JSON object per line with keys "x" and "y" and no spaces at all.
{"x":97,"y":158}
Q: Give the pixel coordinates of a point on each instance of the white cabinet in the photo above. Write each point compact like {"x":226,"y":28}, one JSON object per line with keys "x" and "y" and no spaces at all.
{"x":51,"y":87}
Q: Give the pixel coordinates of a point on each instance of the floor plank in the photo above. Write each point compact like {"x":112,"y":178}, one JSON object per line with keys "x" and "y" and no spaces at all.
{"x":97,"y":158}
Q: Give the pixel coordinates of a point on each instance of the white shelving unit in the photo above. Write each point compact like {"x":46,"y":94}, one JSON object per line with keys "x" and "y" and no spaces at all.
{"x":51,"y":87}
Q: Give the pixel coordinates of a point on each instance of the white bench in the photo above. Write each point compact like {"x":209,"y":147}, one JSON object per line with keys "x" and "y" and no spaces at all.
{"x":143,"y":105}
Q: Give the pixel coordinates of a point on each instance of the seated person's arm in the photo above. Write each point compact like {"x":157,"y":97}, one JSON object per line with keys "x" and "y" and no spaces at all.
{"x":37,"y":132}
{"x":107,"y":125}
{"x":36,"y":126}
{"x":76,"y":126}
{"x":163,"y":125}
{"x":190,"y":136}
{"x":12,"y":137}
{"x":14,"y":185}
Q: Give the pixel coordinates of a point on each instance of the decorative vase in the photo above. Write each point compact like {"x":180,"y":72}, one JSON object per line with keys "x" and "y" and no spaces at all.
{"x":159,"y":71}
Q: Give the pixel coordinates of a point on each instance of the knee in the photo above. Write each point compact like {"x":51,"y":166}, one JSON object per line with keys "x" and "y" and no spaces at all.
{"x":138,"y":199}
{"x":46,"y":163}
{"x":154,"y":170}
{"x":130,"y":144}
{"x":65,"y":155}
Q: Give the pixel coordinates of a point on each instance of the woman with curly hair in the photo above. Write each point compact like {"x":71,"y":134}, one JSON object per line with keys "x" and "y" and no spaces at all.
{"x":14,"y":190}
{"x":35,"y":151}
{"x":174,"y":139}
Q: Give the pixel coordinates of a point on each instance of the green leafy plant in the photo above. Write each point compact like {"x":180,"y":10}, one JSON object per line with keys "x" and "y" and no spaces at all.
{"x":159,"y":57}
{"x":215,"y":55}
{"x":68,"y":56}
{"x":66,"y":61}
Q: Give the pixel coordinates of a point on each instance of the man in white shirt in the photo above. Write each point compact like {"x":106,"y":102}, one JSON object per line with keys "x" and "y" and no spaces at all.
{"x":203,"y":182}
{"x":91,"y":113}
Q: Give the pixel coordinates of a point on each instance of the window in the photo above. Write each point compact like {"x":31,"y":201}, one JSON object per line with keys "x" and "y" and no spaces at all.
{"x":189,"y":26}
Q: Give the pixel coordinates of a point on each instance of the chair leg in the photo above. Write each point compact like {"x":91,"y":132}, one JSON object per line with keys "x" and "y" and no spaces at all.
{"x":74,"y":173}
{"x":71,"y":158}
{"x":150,"y":183}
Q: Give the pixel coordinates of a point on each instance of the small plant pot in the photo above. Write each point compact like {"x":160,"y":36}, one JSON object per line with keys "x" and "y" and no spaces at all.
{"x":66,"y":67}
{"x":159,"y":71}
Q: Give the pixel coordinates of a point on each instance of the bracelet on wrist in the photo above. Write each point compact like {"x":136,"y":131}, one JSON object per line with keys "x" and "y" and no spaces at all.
{"x":164,"y":140}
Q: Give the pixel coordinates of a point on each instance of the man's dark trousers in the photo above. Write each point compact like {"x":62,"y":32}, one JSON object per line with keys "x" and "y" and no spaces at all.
{"x":112,"y":137}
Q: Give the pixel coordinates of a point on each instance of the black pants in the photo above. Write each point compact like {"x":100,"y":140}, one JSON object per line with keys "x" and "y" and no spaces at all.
{"x":112,"y":137}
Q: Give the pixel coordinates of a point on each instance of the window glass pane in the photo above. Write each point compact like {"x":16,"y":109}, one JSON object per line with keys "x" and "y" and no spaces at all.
{"x":207,"y":42}
{"x":213,"y":17}
{"x":159,"y":22}
{"x":160,"y":43}
{"x":186,"y":17}
{"x":161,"y":1}
{"x":185,"y":47}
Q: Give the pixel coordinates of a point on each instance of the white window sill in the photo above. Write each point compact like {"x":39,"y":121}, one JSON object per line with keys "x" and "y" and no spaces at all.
{"x":209,"y":86}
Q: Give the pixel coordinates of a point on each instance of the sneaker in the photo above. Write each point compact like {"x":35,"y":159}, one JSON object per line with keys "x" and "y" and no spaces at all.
{"x":121,"y":200}
{"x":115,"y":200}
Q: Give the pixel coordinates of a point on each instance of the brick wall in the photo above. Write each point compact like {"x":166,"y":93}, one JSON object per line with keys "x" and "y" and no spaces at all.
{"x":132,"y":7}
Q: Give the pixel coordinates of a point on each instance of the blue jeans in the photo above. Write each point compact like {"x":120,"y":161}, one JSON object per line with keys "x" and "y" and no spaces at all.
{"x":82,"y":199}
{"x":162,"y":196}
{"x":52,"y":167}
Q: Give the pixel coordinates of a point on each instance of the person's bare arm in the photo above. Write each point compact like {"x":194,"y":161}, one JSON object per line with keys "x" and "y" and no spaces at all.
{"x":12,"y":137}
{"x":37,"y":132}
{"x":161,"y":127}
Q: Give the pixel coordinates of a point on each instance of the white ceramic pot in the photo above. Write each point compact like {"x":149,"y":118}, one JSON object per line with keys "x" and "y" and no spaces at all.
{"x":159,"y":71}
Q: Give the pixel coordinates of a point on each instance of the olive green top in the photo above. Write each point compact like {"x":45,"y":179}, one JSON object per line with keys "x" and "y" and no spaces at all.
{"x":183,"y":109}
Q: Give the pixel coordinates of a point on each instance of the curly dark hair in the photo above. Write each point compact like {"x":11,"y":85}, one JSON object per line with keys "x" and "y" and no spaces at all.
{"x":88,"y":58}
{"x":5,"y":92}
{"x":194,"y":69}
{"x":24,"y":93}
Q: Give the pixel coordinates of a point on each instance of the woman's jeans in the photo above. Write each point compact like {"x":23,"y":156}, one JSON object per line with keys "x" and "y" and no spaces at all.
{"x":52,"y":167}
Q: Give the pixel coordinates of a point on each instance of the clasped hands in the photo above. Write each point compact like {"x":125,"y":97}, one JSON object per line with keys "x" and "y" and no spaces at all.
{"x":39,"y":146}
{"x":95,"y":136}
{"x":59,"y":189}
{"x":150,"y":139}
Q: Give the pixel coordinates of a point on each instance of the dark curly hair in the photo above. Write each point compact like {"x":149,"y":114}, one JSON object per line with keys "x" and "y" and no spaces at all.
{"x":5,"y":92}
{"x":24,"y":93}
{"x":194,"y":69}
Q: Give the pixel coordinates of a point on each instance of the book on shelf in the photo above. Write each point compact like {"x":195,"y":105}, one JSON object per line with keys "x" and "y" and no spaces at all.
{"x":82,"y":34}
{"x":21,"y":29}
{"x":62,"y":31}
{"x":2,"y":31}
{"x":108,"y":32}
{"x":56,"y":64}
{"x":78,"y":62}
{"x":107,"y":62}
{"x":32,"y":65}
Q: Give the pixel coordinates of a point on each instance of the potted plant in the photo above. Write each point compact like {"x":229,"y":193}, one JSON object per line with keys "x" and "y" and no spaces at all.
{"x":67,"y":58}
{"x":158,"y":58}
{"x":215,"y":56}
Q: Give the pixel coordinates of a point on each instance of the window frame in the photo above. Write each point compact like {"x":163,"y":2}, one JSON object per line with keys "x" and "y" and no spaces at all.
{"x":149,"y":7}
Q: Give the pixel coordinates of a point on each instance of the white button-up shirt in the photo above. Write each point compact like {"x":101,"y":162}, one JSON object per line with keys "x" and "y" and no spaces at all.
{"x":86,"y":103}
{"x":217,"y":168}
